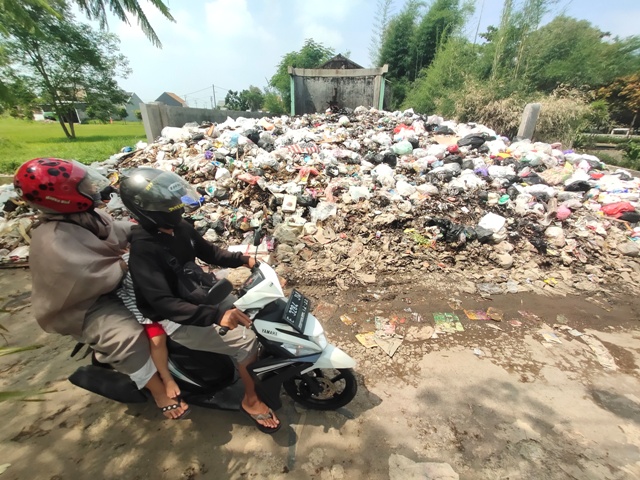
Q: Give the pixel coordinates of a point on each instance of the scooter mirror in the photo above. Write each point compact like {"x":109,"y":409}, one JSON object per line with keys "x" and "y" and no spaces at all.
{"x":218,"y":292}
{"x":257,"y":237}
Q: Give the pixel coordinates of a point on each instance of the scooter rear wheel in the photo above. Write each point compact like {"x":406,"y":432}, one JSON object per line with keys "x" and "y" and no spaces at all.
{"x":323,"y":389}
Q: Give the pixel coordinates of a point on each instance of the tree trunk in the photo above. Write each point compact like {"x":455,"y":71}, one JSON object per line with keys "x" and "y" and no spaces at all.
{"x":61,"y":121}
{"x":71,"y":127}
{"x":633,"y":122}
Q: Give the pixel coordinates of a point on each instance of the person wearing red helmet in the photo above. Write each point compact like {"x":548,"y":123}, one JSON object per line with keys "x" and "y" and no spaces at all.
{"x":76,"y":266}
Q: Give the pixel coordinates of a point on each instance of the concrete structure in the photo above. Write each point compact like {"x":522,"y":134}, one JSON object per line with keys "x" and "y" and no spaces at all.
{"x":157,"y":115}
{"x":133,"y":104}
{"x":339,"y":83}
{"x":528,"y":122}
{"x":76,"y":112}
{"x":171,"y":99}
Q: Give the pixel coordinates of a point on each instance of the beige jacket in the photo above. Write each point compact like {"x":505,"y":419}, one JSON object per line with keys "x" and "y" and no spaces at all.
{"x":71,"y":268}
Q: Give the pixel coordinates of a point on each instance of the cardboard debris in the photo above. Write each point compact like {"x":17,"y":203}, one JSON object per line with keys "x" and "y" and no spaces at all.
{"x":367,"y":339}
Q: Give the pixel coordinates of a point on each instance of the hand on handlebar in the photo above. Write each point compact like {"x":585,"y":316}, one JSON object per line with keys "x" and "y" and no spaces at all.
{"x":231,"y":319}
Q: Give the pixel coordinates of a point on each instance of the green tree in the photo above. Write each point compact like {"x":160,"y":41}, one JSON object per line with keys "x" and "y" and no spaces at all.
{"x":437,"y":87}
{"x":252,"y":98}
{"x":67,"y":63}
{"x":623,"y":94}
{"x":442,"y":19}
{"x":380,"y":24}
{"x":311,"y":55}
{"x":575,"y":53}
{"x":138,"y":114}
{"x":233,"y":101}
{"x":20,"y":98}
{"x":397,"y":41}
{"x":273,"y":102}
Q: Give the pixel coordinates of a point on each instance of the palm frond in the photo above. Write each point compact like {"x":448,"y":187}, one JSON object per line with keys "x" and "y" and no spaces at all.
{"x":10,"y":350}
{"x":97,"y":10}
{"x":23,"y":395}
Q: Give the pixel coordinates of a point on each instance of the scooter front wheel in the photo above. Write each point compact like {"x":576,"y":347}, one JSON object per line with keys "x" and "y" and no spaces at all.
{"x":323,"y":389}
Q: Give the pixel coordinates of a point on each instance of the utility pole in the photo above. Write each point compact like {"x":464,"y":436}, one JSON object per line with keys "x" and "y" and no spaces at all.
{"x":215,"y":102}
{"x":211,"y":98}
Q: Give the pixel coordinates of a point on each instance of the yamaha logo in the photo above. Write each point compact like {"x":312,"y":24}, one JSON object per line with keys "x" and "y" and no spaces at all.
{"x":269,"y":332}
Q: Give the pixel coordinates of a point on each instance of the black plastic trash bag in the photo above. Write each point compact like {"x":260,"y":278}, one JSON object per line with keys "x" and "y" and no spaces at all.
{"x":579,"y":186}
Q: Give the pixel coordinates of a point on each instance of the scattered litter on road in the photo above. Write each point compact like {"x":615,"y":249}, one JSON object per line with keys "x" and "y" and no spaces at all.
{"x":347,"y":320}
{"x":476,"y":315}
{"x":495,"y":314}
{"x":367,"y":339}
{"x":494,"y":326}
{"x":389,"y":345}
{"x":447,"y":323}
{"x":549,"y":336}
{"x":602,"y":354}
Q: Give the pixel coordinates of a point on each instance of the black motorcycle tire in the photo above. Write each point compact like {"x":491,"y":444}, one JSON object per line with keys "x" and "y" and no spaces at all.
{"x":345,"y":381}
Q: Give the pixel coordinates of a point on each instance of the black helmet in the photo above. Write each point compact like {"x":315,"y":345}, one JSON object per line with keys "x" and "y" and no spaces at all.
{"x":155,"y":198}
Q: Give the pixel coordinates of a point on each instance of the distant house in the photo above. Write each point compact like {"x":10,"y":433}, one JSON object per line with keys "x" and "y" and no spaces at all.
{"x":133,"y":104}
{"x":340,"y":62}
{"x":171,"y":99}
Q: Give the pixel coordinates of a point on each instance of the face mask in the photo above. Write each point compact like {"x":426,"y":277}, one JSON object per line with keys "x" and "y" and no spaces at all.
{"x":169,"y":219}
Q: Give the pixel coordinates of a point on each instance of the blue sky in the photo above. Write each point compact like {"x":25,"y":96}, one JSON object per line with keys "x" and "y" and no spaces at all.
{"x":236,"y":43}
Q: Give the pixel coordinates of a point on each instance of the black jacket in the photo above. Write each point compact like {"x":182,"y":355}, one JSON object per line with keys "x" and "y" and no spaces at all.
{"x":155,"y":281}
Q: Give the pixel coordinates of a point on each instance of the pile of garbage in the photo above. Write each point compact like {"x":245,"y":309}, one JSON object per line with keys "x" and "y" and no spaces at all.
{"x":350,"y":197}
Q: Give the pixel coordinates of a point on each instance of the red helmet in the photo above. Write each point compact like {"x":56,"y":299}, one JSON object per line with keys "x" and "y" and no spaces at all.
{"x":54,"y":185}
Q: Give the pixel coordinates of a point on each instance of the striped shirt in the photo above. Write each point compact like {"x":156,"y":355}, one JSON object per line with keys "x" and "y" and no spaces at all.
{"x":128,"y":297}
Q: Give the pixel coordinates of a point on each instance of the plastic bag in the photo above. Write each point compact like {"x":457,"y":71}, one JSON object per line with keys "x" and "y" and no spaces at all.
{"x":616,"y":210}
{"x":492,"y":222}
{"x":323,"y":211}
{"x":404,"y":188}
{"x":356,"y":193}
{"x":402,"y":148}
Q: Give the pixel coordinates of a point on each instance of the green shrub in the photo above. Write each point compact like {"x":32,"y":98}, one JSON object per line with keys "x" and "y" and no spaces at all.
{"x":632,"y":150}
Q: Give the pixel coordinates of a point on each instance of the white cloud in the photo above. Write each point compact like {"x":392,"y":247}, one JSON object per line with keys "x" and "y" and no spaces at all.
{"x":331,"y":10}
{"x":324,"y":21}
{"x":231,"y":19}
{"x":329,"y":37}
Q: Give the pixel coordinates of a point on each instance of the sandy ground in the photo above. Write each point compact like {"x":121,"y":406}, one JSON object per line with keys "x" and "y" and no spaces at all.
{"x":526,"y":409}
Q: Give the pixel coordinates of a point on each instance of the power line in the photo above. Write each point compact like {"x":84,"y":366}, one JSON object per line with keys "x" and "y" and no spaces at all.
{"x":207,"y":88}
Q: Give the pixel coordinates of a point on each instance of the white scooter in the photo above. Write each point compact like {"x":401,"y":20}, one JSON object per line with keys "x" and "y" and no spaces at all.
{"x":294,"y":353}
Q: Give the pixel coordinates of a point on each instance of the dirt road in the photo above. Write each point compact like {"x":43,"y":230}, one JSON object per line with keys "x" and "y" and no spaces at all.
{"x":519,"y":408}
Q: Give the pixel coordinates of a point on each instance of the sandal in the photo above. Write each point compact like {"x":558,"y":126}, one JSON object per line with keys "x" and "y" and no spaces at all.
{"x":174,"y":407}
{"x":262,"y":416}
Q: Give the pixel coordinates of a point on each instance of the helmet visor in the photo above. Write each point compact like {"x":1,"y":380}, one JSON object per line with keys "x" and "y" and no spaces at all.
{"x":92,"y":183}
{"x":166,"y":192}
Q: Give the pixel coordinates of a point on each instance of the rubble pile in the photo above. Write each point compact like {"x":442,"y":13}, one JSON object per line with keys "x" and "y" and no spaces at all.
{"x":351,"y":197}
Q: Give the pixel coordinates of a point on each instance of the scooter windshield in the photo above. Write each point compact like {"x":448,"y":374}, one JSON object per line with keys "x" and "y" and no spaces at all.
{"x":263,"y":293}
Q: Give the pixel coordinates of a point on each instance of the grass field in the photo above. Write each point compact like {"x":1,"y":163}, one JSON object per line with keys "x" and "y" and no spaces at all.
{"x":21,"y":141}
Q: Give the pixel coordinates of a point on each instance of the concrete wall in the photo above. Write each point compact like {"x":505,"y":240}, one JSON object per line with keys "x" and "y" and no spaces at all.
{"x":313,"y":94}
{"x":156,"y":116}
{"x":315,"y":89}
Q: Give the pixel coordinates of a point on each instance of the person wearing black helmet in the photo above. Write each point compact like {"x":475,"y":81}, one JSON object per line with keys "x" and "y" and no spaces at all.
{"x":161,"y":245}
